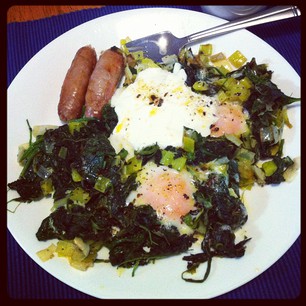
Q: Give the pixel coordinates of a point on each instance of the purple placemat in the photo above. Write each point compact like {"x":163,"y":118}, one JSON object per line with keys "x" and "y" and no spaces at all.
{"x":25,"y":278}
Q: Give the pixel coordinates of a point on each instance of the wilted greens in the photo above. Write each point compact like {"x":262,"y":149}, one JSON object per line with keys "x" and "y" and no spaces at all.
{"x":89,"y":182}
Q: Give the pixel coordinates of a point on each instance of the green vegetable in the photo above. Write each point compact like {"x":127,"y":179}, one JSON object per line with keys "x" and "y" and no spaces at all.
{"x":133,"y":165}
{"x":167,"y":158}
{"x":76,"y":177}
{"x":206,"y":49}
{"x":237,"y":59}
{"x":188,"y":144}
{"x":269,"y":167}
{"x":179,"y":163}
{"x":79,"y":196}
{"x":46,"y":186}
{"x":89,"y":182}
{"x":102,"y":184}
{"x":222,"y":214}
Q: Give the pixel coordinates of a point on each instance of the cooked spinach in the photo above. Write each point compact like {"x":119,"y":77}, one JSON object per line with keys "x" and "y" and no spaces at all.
{"x":222,"y":215}
{"x":28,"y":189}
{"x":266,"y":103}
{"x":77,"y":165}
{"x":263,"y":105}
{"x":219,"y":241}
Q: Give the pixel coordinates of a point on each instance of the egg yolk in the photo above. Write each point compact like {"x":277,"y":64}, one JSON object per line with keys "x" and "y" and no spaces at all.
{"x":168,"y":191}
{"x":231,"y":120}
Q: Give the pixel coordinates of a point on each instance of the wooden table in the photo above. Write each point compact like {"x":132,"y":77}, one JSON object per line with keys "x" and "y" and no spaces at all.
{"x":19,"y":13}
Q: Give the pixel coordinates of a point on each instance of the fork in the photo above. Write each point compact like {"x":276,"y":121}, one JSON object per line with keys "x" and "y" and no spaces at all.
{"x":158,"y":45}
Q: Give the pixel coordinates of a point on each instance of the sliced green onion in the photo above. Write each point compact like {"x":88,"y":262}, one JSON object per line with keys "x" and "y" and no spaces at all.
{"x":246,"y":82}
{"x":229,"y":83}
{"x":222,"y":96}
{"x":239,"y":92}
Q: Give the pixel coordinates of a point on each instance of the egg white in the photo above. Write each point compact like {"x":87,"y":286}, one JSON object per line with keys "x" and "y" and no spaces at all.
{"x":156,"y":108}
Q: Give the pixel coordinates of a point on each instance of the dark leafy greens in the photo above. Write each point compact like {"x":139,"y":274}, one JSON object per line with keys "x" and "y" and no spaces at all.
{"x":76,"y":165}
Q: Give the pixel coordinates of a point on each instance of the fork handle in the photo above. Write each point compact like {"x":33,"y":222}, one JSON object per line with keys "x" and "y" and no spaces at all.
{"x":269,"y":15}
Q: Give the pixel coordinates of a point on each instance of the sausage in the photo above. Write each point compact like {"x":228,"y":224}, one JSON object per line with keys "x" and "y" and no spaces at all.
{"x":73,"y":91}
{"x":104,"y":80}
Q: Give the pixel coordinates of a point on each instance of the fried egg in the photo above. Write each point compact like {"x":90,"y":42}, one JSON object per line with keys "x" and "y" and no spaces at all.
{"x":230,"y":120}
{"x":168,"y":191}
{"x":156,"y":108}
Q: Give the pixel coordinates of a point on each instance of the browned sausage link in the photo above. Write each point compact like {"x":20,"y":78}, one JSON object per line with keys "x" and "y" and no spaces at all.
{"x":72,"y":97}
{"x":104,"y":81}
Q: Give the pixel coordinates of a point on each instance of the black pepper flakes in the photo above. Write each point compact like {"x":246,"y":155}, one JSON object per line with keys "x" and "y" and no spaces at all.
{"x":185,"y":196}
{"x":157,"y":101}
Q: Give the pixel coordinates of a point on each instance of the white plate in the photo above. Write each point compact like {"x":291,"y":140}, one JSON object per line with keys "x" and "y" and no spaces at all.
{"x":274,"y":212}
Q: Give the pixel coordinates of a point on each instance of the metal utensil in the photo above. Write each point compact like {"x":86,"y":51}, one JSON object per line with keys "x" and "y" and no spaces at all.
{"x":158,"y":45}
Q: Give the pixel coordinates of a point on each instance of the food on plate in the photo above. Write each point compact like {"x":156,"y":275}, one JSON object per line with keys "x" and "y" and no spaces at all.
{"x":72,"y":96}
{"x":159,"y":100}
{"x":231,"y":120}
{"x":155,"y":168}
{"x":168,"y":191}
{"x":104,"y":80}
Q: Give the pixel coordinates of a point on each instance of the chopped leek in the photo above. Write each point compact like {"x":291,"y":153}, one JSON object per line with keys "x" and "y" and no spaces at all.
{"x":237,"y":59}
{"x":46,"y":253}
{"x":133,"y":165}
{"x":102,"y":184}
{"x":46,"y":186}
{"x":188,"y":144}
{"x":79,"y":196}
{"x":200,"y":86}
{"x":75,"y":126}
{"x":269,"y":167}
{"x":234,"y":139}
{"x":179,"y":163}
{"x":138,"y":55}
{"x":76,"y":177}
{"x":167,"y":158}
{"x":206,"y":49}
{"x":63,"y":152}
{"x":217,"y":57}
